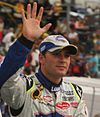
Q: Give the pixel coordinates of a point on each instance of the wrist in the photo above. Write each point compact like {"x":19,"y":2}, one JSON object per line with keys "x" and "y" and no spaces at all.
{"x":26,"y":42}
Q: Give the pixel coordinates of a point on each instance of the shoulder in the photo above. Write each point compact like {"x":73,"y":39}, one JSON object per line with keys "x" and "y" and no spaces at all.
{"x":77,"y":89}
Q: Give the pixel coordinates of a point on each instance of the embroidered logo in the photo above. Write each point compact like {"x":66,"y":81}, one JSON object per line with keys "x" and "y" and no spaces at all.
{"x":62,"y":105}
{"x":37,"y":93}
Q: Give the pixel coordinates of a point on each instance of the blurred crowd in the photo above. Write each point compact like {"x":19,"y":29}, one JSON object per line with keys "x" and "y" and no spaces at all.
{"x":79,"y":31}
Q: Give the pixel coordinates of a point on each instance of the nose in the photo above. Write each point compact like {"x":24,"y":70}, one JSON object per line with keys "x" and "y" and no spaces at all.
{"x":61,"y":56}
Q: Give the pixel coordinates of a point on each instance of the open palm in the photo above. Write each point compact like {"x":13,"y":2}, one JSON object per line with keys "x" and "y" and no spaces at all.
{"x":31,"y":23}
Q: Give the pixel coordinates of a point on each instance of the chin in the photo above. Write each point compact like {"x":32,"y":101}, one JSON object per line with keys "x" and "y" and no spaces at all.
{"x":62,"y":74}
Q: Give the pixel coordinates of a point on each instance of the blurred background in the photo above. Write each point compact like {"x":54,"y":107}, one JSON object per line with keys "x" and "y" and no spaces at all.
{"x":79,"y":22}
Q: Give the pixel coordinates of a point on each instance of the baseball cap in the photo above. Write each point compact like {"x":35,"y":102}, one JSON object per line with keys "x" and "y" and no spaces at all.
{"x":54,"y":42}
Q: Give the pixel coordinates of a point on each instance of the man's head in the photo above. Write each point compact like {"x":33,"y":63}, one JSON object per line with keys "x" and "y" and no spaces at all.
{"x":54,"y":56}
{"x":57,"y":42}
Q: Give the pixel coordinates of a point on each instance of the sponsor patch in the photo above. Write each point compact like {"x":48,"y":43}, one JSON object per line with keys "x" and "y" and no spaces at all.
{"x":65,"y":98}
{"x":37,"y":93}
{"x":47,"y":98}
{"x":62,"y":105}
{"x":74,"y":104}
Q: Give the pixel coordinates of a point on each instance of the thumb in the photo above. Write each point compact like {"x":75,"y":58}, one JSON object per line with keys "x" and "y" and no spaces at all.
{"x":23,"y":15}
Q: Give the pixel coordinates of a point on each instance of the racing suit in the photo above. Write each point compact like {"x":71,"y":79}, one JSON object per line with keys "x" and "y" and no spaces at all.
{"x":36,"y":96}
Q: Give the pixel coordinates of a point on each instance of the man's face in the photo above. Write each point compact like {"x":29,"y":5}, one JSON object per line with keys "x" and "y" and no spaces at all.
{"x":55,"y":64}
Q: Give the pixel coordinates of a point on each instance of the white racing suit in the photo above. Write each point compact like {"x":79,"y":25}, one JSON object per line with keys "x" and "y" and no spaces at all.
{"x":29,"y":97}
{"x":35,"y":96}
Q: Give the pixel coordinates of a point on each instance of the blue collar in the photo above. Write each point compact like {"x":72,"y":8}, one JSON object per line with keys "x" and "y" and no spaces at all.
{"x":47,"y":83}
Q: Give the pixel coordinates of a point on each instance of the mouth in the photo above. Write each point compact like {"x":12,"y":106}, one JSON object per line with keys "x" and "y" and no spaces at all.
{"x":61,"y":67}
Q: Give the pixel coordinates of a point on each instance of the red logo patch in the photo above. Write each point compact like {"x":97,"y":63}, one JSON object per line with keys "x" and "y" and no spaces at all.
{"x":48,"y":98}
{"x":74,"y":104}
{"x":62,"y":105}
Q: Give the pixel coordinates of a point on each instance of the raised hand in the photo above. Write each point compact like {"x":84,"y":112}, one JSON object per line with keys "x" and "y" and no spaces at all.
{"x":31,"y":23}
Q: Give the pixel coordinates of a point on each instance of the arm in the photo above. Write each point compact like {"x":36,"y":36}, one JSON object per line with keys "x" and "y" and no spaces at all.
{"x":17,"y":53}
{"x":13,"y":61}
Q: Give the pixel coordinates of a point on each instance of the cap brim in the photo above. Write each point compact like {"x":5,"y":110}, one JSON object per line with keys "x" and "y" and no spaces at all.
{"x":71,"y":49}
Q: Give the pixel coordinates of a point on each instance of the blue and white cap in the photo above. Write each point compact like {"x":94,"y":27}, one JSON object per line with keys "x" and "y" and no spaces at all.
{"x":55,"y":42}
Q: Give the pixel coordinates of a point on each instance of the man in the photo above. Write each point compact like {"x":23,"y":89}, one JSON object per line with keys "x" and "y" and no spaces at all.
{"x":43,"y":94}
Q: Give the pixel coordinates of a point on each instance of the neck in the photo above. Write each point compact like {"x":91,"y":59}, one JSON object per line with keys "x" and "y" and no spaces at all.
{"x":52,"y":87}
{"x":53,"y":78}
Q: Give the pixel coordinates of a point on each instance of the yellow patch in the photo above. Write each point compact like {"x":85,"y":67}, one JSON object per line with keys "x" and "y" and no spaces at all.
{"x":37,"y":93}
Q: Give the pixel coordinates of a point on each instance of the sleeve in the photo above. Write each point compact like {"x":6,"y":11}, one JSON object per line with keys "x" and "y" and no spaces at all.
{"x":13,"y":91}
{"x":14,"y":59}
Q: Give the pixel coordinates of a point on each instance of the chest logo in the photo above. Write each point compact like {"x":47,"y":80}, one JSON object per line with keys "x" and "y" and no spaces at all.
{"x":37,"y":93}
{"x":62,"y":105}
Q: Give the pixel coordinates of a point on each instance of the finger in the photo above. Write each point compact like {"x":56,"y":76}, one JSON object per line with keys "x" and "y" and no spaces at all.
{"x":23,"y":15}
{"x":40,"y":14}
{"x":34,"y":11}
{"x":28,"y":11}
{"x":46,"y":27}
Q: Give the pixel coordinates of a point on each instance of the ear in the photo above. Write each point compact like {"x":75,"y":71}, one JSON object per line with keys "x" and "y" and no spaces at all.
{"x":41,"y":58}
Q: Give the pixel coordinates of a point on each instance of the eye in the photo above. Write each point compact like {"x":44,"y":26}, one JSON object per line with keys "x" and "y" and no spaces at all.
{"x":56,"y":53}
{"x":66,"y":55}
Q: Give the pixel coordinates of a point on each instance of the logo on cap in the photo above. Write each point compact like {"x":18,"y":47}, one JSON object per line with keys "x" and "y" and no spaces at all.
{"x":43,"y":48}
{"x":60,"y":38}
